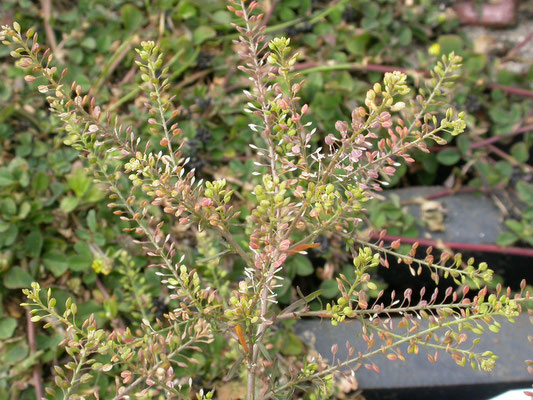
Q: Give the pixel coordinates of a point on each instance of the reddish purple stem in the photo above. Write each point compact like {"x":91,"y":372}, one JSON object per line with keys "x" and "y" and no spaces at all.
{"x":37,"y":383}
{"x":449,"y":192}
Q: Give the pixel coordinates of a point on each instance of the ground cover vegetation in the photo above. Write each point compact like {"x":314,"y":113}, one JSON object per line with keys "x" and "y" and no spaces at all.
{"x":170,"y":200}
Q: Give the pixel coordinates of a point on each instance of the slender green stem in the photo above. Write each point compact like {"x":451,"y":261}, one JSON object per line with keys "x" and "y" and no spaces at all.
{"x":449,"y":270}
{"x":136,"y":90}
{"x":135,"y":291}
{"x":446,"y":348}
{"x":372,"y":311}
{"x":381,"y":349}
{"x":75,"y":374}
{"x":165,"y":127}
{"x":148,"y":233}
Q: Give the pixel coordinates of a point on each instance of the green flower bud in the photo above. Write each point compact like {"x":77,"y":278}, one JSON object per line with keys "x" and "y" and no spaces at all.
{"x":347,"y":311}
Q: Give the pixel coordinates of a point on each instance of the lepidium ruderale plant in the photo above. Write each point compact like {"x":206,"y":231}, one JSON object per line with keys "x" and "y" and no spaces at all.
{"x":301,"y":192}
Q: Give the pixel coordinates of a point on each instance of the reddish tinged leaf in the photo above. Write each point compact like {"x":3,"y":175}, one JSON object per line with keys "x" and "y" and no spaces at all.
{"x":302,"y":247}
{"x":242,"y":339}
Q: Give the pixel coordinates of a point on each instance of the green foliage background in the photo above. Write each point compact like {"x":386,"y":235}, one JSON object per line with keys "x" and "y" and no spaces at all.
{"x":54,"y":223}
